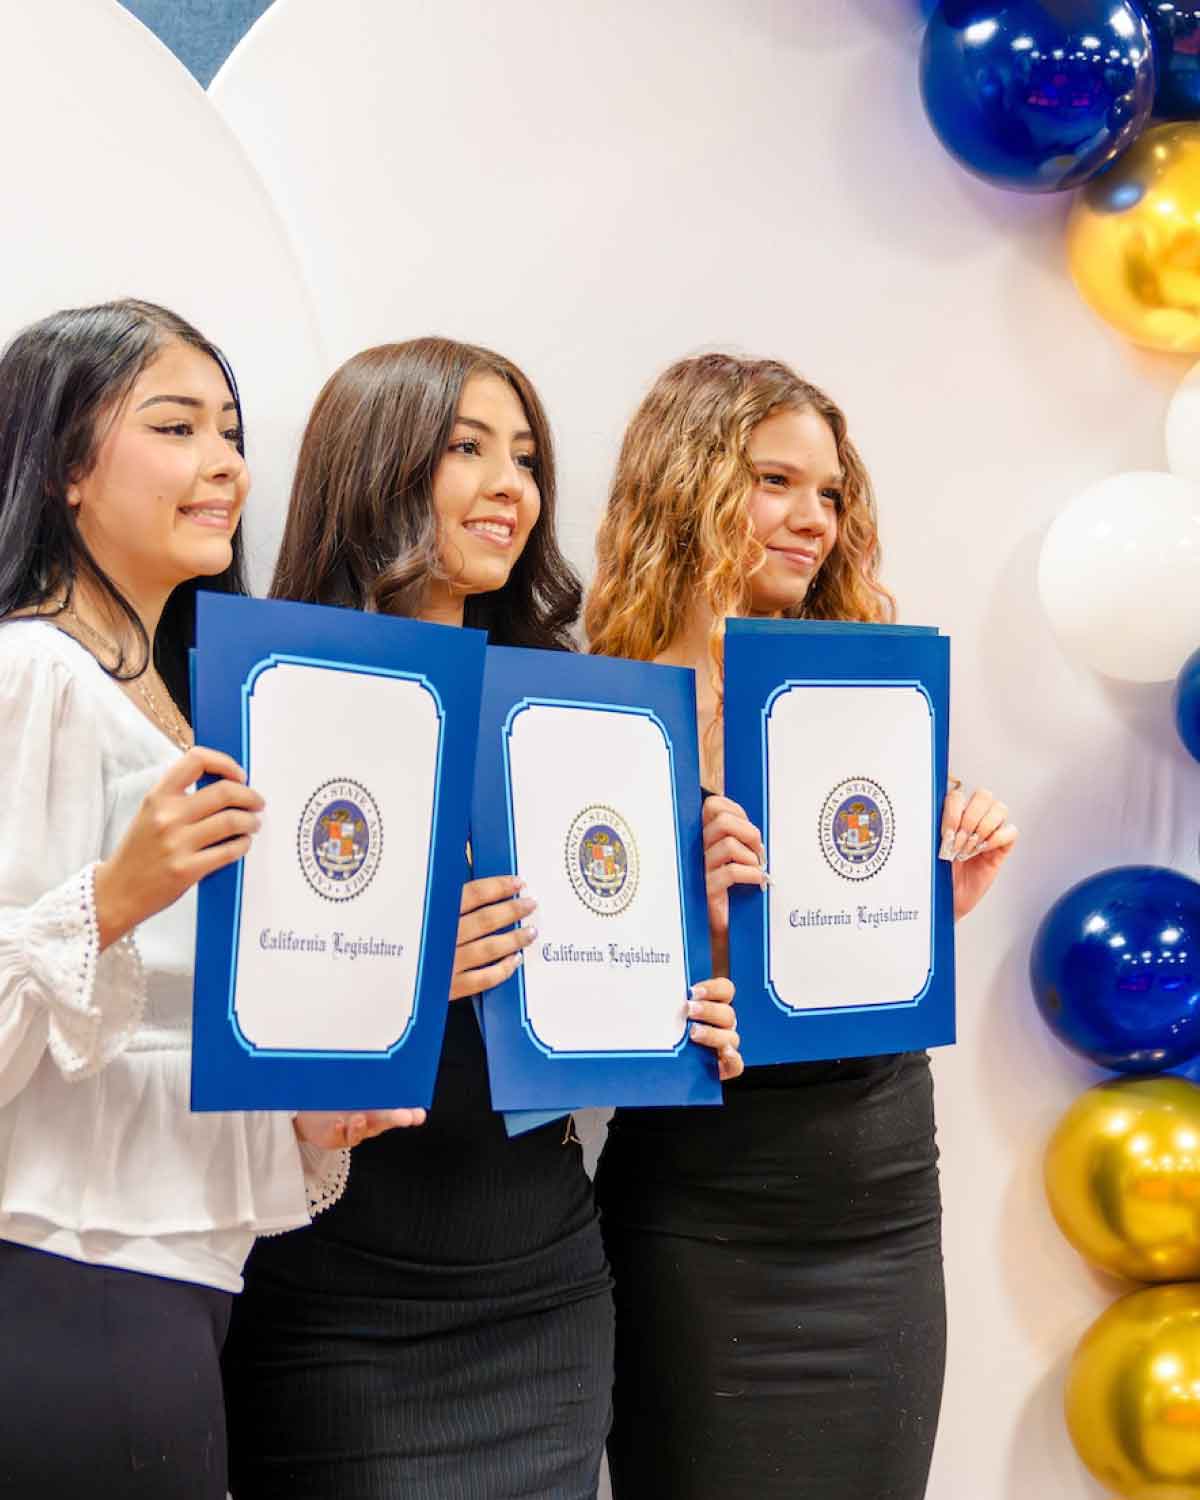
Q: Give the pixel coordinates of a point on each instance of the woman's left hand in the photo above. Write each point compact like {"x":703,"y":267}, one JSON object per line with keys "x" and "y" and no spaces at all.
{"x":714,"y":1024}
{"x":978,"y":837}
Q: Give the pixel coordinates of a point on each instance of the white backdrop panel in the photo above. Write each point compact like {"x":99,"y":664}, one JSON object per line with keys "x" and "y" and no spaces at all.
{"x":598,"y":189}
{"x":120,"y":179}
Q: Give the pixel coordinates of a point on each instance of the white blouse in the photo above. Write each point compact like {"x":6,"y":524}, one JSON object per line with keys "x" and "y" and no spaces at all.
{"x":101,"y":1159}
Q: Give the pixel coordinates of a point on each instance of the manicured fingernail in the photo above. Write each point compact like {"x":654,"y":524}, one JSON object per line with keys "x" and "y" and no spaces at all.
{"x":518,"y":960}
{"x":960,"y":841}
{"x":697,"y":992}
{"x":530,"y":933}
{"x":764,"y":879}
{"x":695,"y":1008}
{"x":529,"y":902}
{"x":947,"y":849}
{"x":696,"y":1032}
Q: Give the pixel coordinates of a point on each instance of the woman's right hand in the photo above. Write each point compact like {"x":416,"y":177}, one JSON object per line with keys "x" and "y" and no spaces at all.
{"x":486,"y":955}
{"x":175,"y":840}
{"x":332,"y":1129}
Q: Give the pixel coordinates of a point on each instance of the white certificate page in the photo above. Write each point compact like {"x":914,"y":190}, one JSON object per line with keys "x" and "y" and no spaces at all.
{"x":849,"y":846}
{"x":333,"y":888}
{"x":593,"y":816}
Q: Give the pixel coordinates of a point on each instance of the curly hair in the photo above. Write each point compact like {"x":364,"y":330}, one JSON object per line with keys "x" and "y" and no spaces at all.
{"x":678,"y":524}
{"x":362,"y":529}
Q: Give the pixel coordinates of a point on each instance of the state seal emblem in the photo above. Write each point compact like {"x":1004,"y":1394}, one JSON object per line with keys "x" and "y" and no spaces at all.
{"x":855,"y":828}
{"x":602,"y":860}
{"x":340,"y":839}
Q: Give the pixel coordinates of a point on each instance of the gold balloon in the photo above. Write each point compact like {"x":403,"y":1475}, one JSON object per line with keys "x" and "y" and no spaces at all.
{"x":1133,"y":1395}
{"x":1133,"y":240}
{"x":1123,"y":1177}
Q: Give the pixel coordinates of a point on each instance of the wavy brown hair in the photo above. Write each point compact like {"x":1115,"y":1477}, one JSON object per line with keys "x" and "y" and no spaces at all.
{"x":361,"y":528}
{"x":678,"y":525}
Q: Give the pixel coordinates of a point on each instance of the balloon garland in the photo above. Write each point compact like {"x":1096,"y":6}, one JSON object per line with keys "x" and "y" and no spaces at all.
{"x":1043,"y":98}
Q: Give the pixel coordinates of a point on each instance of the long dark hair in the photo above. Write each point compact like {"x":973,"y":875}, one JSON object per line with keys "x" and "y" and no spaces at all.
{"x":59,"y":379}
{"x":361,"y":528}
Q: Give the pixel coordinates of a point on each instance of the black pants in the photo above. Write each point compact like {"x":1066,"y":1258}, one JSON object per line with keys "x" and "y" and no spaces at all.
{"x":780,"y":1303}
{"x":109,"y":1382}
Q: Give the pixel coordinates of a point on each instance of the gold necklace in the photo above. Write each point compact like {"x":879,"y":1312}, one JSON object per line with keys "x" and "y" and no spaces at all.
{"x":172,"y":723}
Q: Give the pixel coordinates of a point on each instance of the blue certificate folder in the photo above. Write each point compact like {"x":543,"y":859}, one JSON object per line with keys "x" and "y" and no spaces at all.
{"x":835,"y":744}
{"x":323,"y":958}
{"x":587,"y":787}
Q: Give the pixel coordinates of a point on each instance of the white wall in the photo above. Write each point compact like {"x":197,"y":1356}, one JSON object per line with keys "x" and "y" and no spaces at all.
{"x":598,"y":188}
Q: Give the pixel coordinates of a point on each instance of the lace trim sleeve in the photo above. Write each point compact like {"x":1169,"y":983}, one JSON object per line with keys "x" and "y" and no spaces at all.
{"x":54,"y":979}
{"x":325,"y":1176}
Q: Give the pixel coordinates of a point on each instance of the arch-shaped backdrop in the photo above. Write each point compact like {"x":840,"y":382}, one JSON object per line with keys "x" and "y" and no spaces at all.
{"x":123,"y":180}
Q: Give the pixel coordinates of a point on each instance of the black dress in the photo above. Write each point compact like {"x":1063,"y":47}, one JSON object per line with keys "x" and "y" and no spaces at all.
{"x":780,"y":1303}
{"x":444,"y":1332}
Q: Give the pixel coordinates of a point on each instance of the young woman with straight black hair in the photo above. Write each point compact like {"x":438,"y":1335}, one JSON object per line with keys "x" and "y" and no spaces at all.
{"x":124,"y":1219}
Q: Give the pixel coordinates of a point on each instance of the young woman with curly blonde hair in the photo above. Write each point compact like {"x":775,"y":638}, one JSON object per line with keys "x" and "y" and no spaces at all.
{"x":780,"y":1304}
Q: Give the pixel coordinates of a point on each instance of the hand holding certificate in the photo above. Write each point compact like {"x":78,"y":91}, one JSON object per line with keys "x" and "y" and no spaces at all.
{"x":836,"y":746}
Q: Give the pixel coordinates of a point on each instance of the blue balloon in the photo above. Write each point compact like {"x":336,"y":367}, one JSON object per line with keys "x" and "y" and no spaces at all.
{"x":1115,"y":968}
{"x":1175,"y":29}
{"x":1037,"y":97}
{"x":1187,"y":704}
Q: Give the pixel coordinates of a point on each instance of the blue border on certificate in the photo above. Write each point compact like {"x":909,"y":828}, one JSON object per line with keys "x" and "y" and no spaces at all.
{"x":525,"y":1073}
{"x":764,"y":659}
{"x":276,"y":659}
{"x":237,"y":639}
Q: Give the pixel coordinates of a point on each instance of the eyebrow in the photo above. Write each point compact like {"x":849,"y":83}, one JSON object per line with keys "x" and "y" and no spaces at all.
{"x":781,"y":463}
{"x":524,"y":436}
{"x":183,"y":401}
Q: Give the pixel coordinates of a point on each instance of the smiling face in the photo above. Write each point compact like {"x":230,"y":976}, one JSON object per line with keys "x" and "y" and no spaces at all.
{"x":485,"y":495}
{"x":794,"y":506}
{"x":164,"y":494}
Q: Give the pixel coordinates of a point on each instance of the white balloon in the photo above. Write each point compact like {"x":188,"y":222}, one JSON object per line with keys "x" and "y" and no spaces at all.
{"x":1120,"y":575}
{"x":121,"y":180}
{"x":1183,"y":428}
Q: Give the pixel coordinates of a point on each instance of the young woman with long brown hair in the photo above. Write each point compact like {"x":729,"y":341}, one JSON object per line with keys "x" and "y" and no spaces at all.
{"x":448,"y":1331}
{"x":780,"y":1305}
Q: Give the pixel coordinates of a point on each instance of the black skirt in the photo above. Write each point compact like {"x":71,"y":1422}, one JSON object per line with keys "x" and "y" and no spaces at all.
{"x":780,"y":1302}
{"x":445,"y":1332}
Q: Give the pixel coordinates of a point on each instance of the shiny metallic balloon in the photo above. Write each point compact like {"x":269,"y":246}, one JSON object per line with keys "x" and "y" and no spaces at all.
{"x":1133,"y":240}
{"x":1175,"y":29}
{"x":1133,"y":1395}
{"x":1033,"y":96}
{"x":1123,"y":1177}
{"x":1187,"y":704}
{"x":1115,"y":968}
